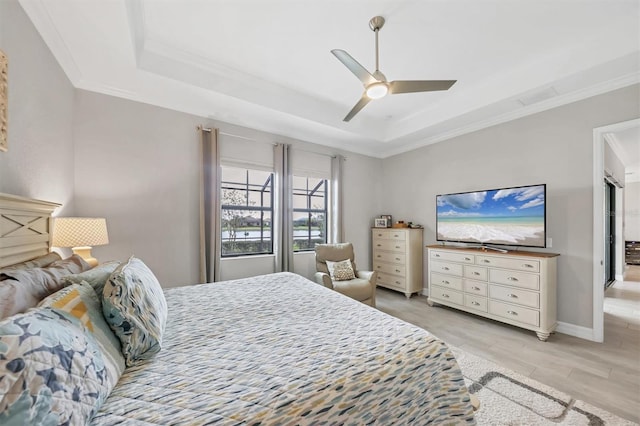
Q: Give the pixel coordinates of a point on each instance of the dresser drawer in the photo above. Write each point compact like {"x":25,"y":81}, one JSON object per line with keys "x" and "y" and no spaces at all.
{"x":385,"y":256}
{"x":478,"y":303}
{"x":446,"y":295}
{"x":446,"y":281}
{"x":454,"y":257}
{"x":513,"y":295}
{"x":389,"y":268}
{"x":391,"y":245}
{"x":386,"y":280}
{"x":514,"y":313}
{"x":475,"y":287}
{"x":389,"y":234}
{"x":514,"y":278}
{"x":446,"y":268}
{"x":518,"y":264}
{"x":475,"y":272}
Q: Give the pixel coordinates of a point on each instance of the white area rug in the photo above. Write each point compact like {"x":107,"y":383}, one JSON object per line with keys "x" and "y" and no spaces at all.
{"x":509,"y":398}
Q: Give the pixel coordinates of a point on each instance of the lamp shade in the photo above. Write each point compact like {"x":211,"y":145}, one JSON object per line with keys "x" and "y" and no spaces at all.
{"x":79,"y":232}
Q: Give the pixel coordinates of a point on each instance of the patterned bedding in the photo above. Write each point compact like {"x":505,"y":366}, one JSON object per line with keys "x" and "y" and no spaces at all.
{"x":280,"y":350}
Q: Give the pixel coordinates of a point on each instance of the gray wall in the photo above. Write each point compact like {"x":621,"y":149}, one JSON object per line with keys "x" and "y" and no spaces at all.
{"x":39,"y":163}
{"x":553,"y":147}
{"x":137,"y":165}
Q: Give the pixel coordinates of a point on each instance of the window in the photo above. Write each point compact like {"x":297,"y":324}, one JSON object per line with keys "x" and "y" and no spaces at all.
{"x":247,"y":210}
{"x":309,"y":212}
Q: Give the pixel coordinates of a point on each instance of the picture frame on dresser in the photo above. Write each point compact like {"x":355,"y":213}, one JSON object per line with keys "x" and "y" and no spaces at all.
{"x":388,"y":217}
{"x":380,"y":222}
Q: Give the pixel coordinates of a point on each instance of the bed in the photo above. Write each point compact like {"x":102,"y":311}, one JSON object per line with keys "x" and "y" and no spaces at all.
{"x":279,"y":349}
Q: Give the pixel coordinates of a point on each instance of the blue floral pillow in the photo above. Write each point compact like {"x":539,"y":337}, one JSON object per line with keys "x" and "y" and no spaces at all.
{"x":51,"y":370}
{"x":133,"y":304}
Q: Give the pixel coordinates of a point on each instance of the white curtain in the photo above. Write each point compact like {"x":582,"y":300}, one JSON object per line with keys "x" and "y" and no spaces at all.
{"x":282,"y":223}
{"x":210,"y":243}
{"x":336,"y":234}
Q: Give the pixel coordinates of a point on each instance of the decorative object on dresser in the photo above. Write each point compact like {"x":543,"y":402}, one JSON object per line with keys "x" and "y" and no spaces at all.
{"x":632,"y":252}
{"x":80,"y":233}
{"x":389,"y":220}
{"x":397,"y":258}
{"x":517,"y":288}
{"x":380,"y":222}
{"x":4,"y":100}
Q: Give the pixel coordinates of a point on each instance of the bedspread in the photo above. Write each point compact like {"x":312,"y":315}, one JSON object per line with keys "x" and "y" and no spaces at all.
{"x":279,"y":349}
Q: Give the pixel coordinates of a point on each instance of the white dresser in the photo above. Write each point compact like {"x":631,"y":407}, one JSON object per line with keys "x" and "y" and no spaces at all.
{"x":397,"y":257}
{"x":518,"y":288}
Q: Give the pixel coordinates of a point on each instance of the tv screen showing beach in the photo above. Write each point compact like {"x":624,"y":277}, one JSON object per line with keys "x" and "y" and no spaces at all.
{"x":509,"y":216}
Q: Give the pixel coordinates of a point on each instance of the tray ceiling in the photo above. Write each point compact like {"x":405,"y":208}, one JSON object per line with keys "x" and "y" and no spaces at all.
{"x":267,"y":64}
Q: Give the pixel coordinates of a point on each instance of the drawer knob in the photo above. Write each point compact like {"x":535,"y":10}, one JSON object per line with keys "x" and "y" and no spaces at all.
{"x":378,"y":256}
{"x":379,"y":245}
{"x":512,"y":279}
{"x":444,"y":268}
{"x":379,"y":235}
{"x":445,"y":282}
{"x":398,"y":259}
{"x":436,"y":255}
{"x":513,"y":296}
{"x":445,"y":295}
{"x":397,"y":246}
{"x":396,"y":235}
{"x":527,"y":265}
{"x":512,"y":313}
{"x":476,"y":273}
{"x":476,"y":288}
{"x":398,"y":282}
{"x":475,"y":303}
{"x":398,"y":270}
{"x":467,"y":258}
{"x":486,"y":261}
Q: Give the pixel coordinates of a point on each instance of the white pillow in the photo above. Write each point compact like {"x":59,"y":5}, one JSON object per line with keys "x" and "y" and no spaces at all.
{"x":340,"y":271}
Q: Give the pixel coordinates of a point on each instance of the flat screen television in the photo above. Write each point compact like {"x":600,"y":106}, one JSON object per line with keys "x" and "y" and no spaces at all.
{"x":508,"y":216}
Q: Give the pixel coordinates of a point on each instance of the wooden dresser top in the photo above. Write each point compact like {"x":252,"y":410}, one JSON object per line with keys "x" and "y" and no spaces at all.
{"x":480,"y":250}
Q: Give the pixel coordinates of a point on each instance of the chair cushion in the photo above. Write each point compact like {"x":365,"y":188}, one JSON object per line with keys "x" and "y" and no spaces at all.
{"x":357,"y":288}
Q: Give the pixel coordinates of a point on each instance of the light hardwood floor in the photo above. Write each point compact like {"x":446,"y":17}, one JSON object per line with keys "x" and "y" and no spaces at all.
{"x":606,"y":374}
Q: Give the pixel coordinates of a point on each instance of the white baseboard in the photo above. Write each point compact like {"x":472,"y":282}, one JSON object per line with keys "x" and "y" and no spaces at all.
{"x":620,"y":277}
{"x":576,"y":330}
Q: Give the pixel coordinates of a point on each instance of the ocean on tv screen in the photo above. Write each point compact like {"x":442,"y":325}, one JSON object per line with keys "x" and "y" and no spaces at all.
{"x":511,"y":216}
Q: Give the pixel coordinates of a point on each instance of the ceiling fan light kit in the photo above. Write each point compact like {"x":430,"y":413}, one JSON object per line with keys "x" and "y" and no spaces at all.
{"x":375,"y":84}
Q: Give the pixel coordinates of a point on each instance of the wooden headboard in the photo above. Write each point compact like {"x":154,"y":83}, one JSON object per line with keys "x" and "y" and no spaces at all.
{"x":25,"y":226}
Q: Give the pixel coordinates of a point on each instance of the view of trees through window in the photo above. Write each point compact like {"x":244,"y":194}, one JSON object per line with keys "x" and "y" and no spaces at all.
{"x":247,"y":210}
{"x":309,"y":212}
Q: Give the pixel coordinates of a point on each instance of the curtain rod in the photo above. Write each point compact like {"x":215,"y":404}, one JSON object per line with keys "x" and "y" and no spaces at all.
{"x":204,"y":129}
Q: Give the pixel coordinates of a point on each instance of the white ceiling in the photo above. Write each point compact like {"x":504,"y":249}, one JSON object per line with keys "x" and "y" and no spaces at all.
{"x":267,"y":64}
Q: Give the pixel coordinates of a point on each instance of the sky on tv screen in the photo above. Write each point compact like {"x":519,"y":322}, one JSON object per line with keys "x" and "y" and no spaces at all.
{"x":522,"y":202}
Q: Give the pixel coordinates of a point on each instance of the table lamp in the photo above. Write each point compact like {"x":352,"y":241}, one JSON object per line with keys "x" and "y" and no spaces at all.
{"x":80,"y":233}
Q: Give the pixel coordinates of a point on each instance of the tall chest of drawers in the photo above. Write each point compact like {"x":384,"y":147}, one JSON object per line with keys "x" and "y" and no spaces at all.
{"x":518,"y":288}
{"x":397,"y":257}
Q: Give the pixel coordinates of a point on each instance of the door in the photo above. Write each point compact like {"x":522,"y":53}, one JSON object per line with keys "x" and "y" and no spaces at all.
{"x":609,"y":234}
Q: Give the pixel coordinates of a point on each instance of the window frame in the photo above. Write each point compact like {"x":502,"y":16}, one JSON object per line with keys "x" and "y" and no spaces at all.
{"x":309,"y":194}
{"x":247,"y":188}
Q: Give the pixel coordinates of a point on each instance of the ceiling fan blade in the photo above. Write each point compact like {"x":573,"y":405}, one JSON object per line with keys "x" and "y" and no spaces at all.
{"x":354,"y":66}
{"x":364,"y":100}
{"x":411,"y":86}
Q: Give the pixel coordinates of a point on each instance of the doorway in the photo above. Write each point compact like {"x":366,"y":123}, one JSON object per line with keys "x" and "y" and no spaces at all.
{"x":609,"y":234}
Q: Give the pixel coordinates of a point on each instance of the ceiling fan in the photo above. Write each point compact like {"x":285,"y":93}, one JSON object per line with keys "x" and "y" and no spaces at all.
{"x":376,"y":85}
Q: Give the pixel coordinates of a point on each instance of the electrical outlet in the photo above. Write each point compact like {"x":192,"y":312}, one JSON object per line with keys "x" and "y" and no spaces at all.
{"x":549,"y":242}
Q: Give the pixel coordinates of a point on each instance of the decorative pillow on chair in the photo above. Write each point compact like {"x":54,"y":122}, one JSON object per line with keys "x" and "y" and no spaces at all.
{"x":51,"y":370}
{"x":341,"y":271}
{"x":133,"y":304}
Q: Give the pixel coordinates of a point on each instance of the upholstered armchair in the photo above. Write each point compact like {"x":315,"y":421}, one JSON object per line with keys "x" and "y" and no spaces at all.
{"x":361,"y":288}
